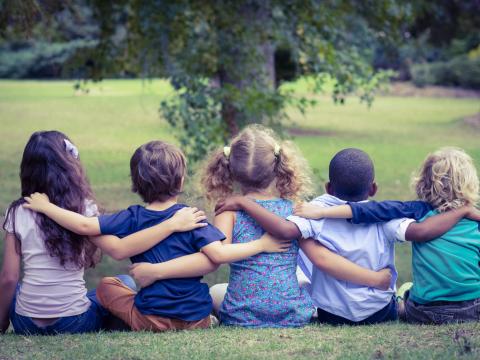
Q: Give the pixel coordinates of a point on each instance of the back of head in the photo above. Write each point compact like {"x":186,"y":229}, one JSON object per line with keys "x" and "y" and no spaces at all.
{"x":50,"y":165}
{"x":351,"y":174}
{"x":255,"y":160}
{"x":447,"y":179}
{"x":157,"y":170}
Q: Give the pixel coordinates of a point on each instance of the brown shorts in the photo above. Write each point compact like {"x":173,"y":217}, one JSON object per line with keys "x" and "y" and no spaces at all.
{"x":118,"y":298}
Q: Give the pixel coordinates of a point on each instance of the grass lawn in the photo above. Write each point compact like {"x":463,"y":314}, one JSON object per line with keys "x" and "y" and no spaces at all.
{"x":117,"y":116}
{"x":393,"y":341}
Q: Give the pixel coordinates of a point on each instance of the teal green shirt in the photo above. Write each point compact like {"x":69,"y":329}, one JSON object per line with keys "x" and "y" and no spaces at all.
{"x":447,"y":268}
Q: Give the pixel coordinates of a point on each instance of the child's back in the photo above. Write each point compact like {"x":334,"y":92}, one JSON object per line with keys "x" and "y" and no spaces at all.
{"x":187,"y":299}
{"x":263,"y":290}
{"x":48,"y":289}
{"x":371,"y":246}
{"x":448,"y":268}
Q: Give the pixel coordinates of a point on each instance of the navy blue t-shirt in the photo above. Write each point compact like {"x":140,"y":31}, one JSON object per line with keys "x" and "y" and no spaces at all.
{"x":186,"y":299}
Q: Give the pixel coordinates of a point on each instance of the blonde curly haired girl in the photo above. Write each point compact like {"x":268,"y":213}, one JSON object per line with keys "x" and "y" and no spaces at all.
{"x":447,"y":180}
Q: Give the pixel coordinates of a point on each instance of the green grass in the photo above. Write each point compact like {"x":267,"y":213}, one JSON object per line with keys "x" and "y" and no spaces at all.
{"x":392,"y":341}
{"x":117,"y":116}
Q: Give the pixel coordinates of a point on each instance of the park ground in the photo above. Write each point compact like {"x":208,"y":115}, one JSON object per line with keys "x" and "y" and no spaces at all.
{"x":115,"y":117}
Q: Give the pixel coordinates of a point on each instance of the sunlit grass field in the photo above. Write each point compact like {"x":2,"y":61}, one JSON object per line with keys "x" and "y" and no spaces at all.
{"x":116,"y":116}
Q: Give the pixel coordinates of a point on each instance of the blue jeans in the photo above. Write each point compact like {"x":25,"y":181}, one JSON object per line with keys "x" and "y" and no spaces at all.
{"x":388,"y":313}
{"x":441,"y":312}
{"x":91,"y":320}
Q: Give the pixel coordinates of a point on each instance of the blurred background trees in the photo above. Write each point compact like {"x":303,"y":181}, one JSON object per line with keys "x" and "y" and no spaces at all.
{"x":227,"y":60}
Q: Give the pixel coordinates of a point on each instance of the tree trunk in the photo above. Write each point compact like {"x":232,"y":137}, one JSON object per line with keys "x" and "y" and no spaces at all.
{"x":239,"y":69}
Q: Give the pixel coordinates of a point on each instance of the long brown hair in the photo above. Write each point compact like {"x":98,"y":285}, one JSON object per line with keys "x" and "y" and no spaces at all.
{"x":255,"y":159}
{"x":48,"y":167}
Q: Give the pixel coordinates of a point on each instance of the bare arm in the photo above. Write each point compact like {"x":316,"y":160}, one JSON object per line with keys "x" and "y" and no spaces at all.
{"x":77,"y":223}
{"x":227,"y":252}
{"x":343,"y":269}
{"x":9,"y":278}
{"x":275,"y":225}
{"x":185,"y":219}
{"x":435,"y":226}
{"x":431,"y":228}
{"x":310,"y":211}
{"x":188,"y":266}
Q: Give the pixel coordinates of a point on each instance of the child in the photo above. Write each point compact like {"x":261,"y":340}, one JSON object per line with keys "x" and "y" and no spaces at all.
{"x":157,"y":170}
{"x":446,"y":271}
{"x":351,"y":174}
{"x":52,"y":297}
{"x":263,"y":290}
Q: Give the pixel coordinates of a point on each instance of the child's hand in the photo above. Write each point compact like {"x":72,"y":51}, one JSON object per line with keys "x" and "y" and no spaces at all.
{"x":384,"y":279}
{"x":36,"y":202}
{"x":271,"y":244}
{"x":473,"y":213}
{"x":143,"y":273}
{"x":233,"y":203}
{"x":308,"y":211}
{"x":187,"y":219}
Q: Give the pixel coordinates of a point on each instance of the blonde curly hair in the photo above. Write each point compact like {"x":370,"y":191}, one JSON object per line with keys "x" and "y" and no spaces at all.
{"x":447,"y":180}
{"x":254,"y":160}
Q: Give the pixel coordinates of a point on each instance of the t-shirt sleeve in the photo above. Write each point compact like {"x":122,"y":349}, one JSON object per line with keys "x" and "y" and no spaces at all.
{"x":119,"y":224}
{"x":8,"y":226}
{"x":304,"y":225}
{"x":91,"y":209}
{"x":395,"y":230}
{"x":206,"y":235}
{"x":383,"y":211}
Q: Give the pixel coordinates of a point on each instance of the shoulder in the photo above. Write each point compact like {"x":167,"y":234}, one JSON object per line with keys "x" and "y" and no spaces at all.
{"x":19,"y":213}
{"x":91,"y":208}
{"x":206,"y":235}
{"x":395,"y":230}
{"x":120,"y":222}
{"x":18,"y":218}
{"x":226,"y":216}
{"x":325,"y":200}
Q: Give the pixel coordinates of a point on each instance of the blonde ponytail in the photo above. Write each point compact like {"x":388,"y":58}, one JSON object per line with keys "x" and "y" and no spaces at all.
{"x":293,"y":175}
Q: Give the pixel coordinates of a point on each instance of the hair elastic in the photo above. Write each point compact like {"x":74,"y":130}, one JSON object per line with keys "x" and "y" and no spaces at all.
{"x":276,"y":150}
{"x":70,"y":148}
{"x":226,"y":151}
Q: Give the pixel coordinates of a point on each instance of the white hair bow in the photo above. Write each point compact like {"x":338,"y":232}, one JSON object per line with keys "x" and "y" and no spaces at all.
{"x":72,"y":149}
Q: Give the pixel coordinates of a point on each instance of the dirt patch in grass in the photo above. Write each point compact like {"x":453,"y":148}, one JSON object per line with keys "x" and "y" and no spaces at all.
{"x":300,"y":132}
{"x":407,"y":89}
{"x":473,"y":121}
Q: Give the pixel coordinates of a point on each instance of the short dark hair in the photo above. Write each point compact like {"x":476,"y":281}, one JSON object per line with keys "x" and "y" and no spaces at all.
{"x":351,"y":174}
{"x":157,"y":170}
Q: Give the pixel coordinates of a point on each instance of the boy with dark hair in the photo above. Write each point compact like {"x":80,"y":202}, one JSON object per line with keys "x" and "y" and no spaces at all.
{"x":157,"y":171}
{"x":339,"y":299}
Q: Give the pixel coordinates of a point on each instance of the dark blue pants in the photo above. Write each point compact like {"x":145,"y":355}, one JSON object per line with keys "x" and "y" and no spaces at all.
{"x":441,"y":312}
{"x":388,"y":313}
{"x":91,"y":320}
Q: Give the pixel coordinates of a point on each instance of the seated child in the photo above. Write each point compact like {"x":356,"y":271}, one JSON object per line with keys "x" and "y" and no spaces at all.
{"x":446,"y":271}
{"x":263,"y":290}
{"x":351,"y":175}
{"x":157,"y":170}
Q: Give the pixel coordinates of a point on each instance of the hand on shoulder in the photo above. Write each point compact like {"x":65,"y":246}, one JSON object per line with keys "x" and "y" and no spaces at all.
{"x":36,"y":202}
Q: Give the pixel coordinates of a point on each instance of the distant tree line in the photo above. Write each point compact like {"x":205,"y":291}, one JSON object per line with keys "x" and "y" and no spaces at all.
{"x":228,"y":58}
